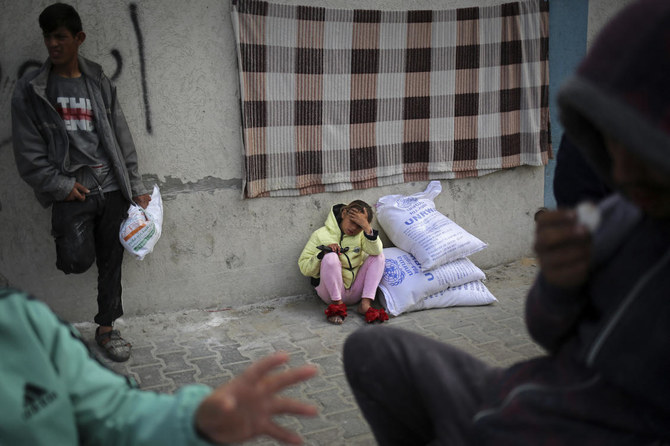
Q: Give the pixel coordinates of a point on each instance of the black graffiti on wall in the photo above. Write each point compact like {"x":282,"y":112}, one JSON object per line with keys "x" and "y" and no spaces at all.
{"x":7,"y":83}
{"x":119,"y":64}
{"x":140,"y":49}
{"x":26,"y":66}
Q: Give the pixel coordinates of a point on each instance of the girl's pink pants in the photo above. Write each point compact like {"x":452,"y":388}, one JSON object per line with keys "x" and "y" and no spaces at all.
{"x":331,"y":288}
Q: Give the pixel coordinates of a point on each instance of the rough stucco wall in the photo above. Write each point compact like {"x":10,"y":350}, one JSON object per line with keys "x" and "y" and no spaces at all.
{"x":217,"y":250}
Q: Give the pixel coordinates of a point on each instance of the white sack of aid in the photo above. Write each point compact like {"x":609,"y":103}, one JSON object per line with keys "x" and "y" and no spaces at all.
{"x":405,"y":287}
{"x":428,"y":267}
{"x":414,"y":225}
{"x":142,"y":229}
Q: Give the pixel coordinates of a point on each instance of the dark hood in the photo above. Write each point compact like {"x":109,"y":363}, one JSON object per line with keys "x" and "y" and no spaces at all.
{"x":622,"y":87}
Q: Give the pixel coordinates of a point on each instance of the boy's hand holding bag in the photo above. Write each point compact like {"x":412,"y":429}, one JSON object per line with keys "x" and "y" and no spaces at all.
{"x":142,"y":229}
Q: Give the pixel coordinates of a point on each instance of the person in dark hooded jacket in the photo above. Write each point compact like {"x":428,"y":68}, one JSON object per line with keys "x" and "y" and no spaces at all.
{"x":600,"y":305}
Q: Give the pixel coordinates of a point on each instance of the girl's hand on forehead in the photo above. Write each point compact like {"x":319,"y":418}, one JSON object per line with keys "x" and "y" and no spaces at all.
{"x":357,"y":215}
{"x":360,"y":217}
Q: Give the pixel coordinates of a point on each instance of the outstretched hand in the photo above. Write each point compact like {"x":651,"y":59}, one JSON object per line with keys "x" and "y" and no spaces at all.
{"x":563,"y":248}
{"x":243,"y":408}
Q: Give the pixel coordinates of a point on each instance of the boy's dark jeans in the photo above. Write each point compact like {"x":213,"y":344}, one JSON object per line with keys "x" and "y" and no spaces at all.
{"x":87,"y":231}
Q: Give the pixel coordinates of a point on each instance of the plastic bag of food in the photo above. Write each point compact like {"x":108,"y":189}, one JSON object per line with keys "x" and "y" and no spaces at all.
{"x":142,"y":229}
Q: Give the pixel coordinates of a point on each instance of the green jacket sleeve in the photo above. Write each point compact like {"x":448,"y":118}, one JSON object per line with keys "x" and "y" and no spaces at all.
{"x":106,"y":408}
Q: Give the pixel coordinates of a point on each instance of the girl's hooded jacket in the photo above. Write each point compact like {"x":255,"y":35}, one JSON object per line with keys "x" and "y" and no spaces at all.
{"x":54,"y":393}
{"x":357,"y":247}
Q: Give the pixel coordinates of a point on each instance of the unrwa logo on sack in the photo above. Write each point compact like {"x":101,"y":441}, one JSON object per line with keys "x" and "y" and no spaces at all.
{"x":420,"y":215}
{"x":406,"y":202}
{"x":393,"y":274}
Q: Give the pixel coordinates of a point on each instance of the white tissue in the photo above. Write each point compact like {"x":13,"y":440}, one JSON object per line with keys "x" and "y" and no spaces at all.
{"x":588,"y":215}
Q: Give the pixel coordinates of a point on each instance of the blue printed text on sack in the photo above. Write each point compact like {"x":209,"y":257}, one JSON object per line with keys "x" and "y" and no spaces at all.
{"x":419,"y":216}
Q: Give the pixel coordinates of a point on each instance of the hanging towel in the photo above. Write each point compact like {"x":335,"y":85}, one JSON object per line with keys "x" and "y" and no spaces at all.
{"x":335,"y":100}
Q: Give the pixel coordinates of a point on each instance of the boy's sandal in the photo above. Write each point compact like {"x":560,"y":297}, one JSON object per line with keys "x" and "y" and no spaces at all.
{"x":336,"y":310}
{"x":117,"y":348}
{"x":374,"y":314}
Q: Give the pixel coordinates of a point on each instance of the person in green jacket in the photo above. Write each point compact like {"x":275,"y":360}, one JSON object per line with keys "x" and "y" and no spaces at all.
{"x":345,"y":260}
{"x":53,"y":392}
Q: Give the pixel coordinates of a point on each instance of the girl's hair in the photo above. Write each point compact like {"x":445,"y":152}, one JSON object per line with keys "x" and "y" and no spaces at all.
{"x":360,"y":206}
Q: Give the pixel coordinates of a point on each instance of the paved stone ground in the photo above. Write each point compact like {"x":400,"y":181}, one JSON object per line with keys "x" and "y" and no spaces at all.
{"x":211,"y":346}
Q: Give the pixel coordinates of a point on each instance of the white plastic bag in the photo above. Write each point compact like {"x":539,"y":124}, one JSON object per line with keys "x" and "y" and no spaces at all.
{"x":404,"y":284}
{"x":414,"y":225}
{"x":142,"y":229}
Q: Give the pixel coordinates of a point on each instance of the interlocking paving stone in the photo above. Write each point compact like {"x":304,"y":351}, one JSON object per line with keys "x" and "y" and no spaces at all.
{"x":257,"y":352}
{"x":174,"y":361}
{"x":285,"y":345}
{"x":314,"y":347}
{"x":299,"y":332}
{"x":329,"y":365}
{"x":328,"y":437}
{"x":168,"y":343}
{"x":142,"y":356}
{"x":475,"y":334}
{"x":442,"y":332}
{"x":351,"y":422}
{"x":320,"y":382}
{"x":197,"y":348}
{"x":215,"y":381}
{"x":236,"y":368}
{"x":316,"y":424}
{"x":182,"y":378}
{"x":208,"y":366}
{"x":150,"y":376}
{"x":331,"y":401}
{"x":229,"y":353}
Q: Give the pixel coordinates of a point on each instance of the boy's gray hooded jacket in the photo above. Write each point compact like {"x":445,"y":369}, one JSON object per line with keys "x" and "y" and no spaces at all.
{"x":41,"y":145}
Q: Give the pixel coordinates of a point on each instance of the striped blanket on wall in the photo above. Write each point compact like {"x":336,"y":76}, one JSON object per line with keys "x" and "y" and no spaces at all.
{"x":335,"y":100}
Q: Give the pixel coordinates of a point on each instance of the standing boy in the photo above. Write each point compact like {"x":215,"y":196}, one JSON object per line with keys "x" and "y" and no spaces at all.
{"x":73,"y":147}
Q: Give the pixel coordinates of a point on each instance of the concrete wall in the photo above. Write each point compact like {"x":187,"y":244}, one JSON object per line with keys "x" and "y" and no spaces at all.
{"x":175,"y":66}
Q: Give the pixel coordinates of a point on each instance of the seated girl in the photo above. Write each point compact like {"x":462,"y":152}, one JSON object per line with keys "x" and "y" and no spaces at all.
{"x":345,"y":261}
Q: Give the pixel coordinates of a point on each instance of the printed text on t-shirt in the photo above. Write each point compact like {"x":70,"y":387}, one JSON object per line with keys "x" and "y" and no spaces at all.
{"x":76,"y":113}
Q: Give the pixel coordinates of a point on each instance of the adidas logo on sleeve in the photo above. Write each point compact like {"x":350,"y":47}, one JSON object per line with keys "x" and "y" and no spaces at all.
{"x":35,"y":398}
